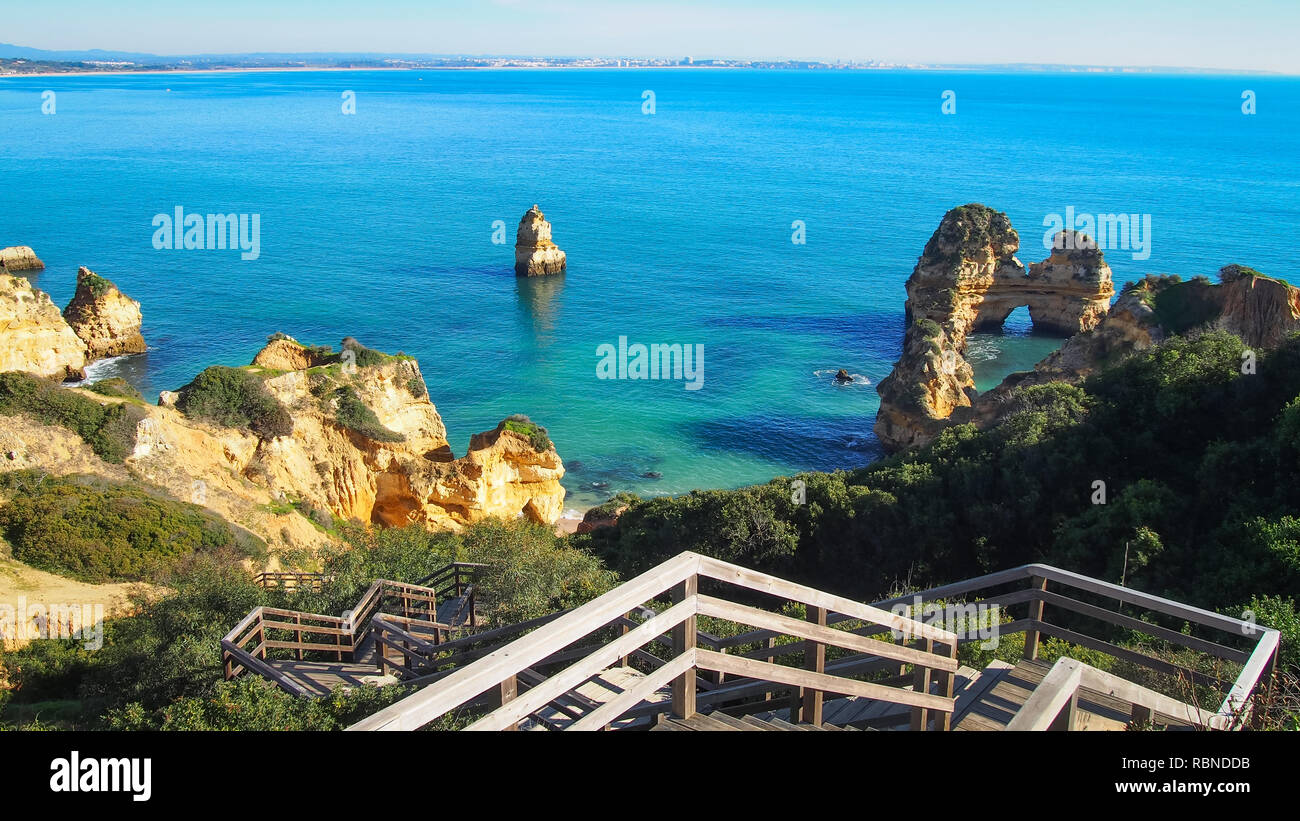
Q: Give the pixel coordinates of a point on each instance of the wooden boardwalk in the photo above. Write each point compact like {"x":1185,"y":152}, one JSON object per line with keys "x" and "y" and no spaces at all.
{"x":318,"y":678}
{"x":721,"y":721}
{"x":1008,"y":688}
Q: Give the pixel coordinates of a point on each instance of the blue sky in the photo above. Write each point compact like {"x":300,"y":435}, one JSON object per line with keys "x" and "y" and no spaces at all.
{"x":1255,"y":34}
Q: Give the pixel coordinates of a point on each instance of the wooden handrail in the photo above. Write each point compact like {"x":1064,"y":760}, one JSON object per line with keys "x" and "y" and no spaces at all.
{"x":499,"y":670}
{"x":1046,"y":706}
{"x":346,"y":631}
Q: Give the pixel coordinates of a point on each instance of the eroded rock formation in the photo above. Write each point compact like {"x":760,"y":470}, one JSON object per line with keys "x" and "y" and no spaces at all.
{"x":969,"y":278}
{"x":394,"y":470}
{"x":19,"y":258}
{"x":33,"y":334}
{"x":106,"y":319}
{"x":535,"y":253}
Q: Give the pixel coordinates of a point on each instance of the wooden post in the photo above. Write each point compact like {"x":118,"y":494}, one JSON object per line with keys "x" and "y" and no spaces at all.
{"x":1035,"y":613}
{"x":227,"y":664}
{"x":684,"y":642}
{"x":944,"y":678}
{"x":1142,"y":716}
{"x":1253,"y":700}
{"x":505,"y":693}
{"x":297,"y":635}
{"x":261,"y":637}
{"x":814,"y":659}
{"x":1064,"y":721}
{"x":623,"y":628}
{"x":770,"y":643}
{"x":921,"y":684}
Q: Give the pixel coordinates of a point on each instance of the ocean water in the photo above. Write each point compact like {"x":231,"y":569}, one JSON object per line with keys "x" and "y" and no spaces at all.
{"x":677,"y":226}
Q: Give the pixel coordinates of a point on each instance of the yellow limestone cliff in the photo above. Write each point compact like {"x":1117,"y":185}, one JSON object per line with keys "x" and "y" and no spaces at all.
{"x":367,"y":444}
{"x":33,"y":334}
{"x":106,"y":319}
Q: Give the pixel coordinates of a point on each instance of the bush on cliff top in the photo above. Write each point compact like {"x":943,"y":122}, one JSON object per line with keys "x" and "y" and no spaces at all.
{"x":536,"y":434}
{"x":234,"y":398}
{"x":355,"y":415}
{"x":109,"y":430}
{"x":97,"y":531}
{"x":116,"y":387}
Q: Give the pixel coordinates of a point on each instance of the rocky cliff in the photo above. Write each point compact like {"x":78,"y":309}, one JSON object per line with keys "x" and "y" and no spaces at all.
{"x":19,"y":258}
{"x":107,"y":320}
{"x":969,"y":278}
{"x":535,"y":253}
{"x":366,"y":443}
{"x":33,"y":334}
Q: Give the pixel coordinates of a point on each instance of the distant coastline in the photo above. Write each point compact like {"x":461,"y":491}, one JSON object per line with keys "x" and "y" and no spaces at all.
{"x":28,"y":66}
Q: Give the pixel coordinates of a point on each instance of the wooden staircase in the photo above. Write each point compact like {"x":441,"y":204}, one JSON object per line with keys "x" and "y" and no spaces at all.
{"x":310,"y":654}
{"x":592,"y":668}
{"x":721,"y":721}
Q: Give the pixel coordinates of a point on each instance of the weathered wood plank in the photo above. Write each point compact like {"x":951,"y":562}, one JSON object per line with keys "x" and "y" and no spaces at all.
{"x":710,"y":660}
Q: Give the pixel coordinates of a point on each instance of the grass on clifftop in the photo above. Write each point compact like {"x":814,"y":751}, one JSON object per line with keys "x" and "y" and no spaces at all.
{"x":109,"y":430}
{"x":95,"y":530}
{"x":117,"y":387}
{"x":1185,"y":305}
{"x":96,"y":284}
{"x":355,"y":415}
{"x":537,"y":435}
{"x":234,"y":398}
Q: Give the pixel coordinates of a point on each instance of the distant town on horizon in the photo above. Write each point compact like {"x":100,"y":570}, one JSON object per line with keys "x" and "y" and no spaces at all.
{"x":18,"y":60}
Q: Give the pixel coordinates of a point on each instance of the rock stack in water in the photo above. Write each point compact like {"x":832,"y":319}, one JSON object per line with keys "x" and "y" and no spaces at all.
{"x":968,"y":279}
{"x":535,"y":254}
{"x":19,"y":258}
{"x":106,"y":319}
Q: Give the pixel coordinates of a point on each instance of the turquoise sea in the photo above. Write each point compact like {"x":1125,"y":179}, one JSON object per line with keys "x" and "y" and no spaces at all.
{"x":677,"y":226}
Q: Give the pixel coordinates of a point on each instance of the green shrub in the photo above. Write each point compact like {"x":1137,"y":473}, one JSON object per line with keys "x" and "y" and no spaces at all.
{"x":97,"y":531}
{"x":109,"y":430}
{"x":235,"y":398}
{"x":355,"y":415}
{"x":537,"y":435}
{"x":530,"y":572}
{"x":253,"y":704}
{"x":365,"y":357}
{"x":117,"y":387}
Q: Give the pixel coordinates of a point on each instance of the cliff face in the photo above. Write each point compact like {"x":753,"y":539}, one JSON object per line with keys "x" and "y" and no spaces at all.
{"x":33,"y":334}
{"x":930,"y":387}
{"x":535,"y":253}
{"x":969,"y":278}
{"x":104,"y":318}
{"x":19,"y":258}
{"x":398,"y":468}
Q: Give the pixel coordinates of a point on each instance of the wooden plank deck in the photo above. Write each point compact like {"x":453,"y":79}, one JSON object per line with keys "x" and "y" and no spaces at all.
{"x":995,"y":706}
{"x":718,"y":722}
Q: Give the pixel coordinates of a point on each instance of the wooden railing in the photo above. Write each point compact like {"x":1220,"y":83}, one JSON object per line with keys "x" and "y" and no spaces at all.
{"x":265,"y":629}
{"x":567,"y":637}
{"x":1054,"y":703}
{"x":1045,"y":586}
{"x":291,"y":580}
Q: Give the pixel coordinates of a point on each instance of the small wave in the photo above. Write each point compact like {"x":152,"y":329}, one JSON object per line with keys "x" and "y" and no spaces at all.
{"x":981,"y":350}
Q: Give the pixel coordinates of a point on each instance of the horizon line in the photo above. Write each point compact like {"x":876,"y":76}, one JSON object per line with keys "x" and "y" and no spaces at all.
{"x":907,"y":65}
